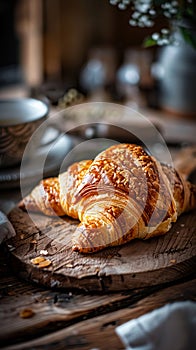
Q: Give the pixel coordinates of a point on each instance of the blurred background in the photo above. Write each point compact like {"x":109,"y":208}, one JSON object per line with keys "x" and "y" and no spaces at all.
{"x":65,"y":52}
{"x":49,"y":46}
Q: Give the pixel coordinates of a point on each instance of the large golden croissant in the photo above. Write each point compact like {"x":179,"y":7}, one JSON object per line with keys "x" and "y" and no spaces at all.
{"x":123,"y":194}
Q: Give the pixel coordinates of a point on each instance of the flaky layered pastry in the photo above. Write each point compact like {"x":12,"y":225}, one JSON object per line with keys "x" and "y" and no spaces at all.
{"x":122,"y":194}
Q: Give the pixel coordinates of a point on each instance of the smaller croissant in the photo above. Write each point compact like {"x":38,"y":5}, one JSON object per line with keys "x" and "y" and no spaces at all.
{"x":122,"y":194}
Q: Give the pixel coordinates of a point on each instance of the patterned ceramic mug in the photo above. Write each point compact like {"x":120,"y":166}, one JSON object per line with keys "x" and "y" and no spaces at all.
{"x":19,"y":118}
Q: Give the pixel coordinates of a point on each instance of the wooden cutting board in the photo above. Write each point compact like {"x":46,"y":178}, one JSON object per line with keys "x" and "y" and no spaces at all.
{"x":133,"y":265}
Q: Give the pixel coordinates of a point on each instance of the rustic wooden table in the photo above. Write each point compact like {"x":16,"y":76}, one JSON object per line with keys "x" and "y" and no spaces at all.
{"x":34,"y":317}
{"x":37,"y":317}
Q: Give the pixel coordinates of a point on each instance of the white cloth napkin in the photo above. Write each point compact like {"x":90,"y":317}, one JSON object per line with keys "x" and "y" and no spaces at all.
{"x":6,"y":228}
{"x":172,"y":327}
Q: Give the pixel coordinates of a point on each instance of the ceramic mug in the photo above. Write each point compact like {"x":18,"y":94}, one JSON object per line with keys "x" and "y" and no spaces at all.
{"x":19,"y":118}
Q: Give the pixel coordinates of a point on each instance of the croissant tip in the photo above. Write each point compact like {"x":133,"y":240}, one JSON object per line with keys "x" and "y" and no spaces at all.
{"x":79,"y":249}
{"x":75,"y":248}
{"x":21,"y":205}
{"x":28,"y":203}
{"x":87,"y":250}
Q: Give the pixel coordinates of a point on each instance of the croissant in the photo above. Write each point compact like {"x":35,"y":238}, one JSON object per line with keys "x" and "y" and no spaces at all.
{"x":122,"y":194}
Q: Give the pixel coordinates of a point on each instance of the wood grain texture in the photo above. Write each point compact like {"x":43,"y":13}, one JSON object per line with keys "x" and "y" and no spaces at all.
{"x":133,"y":265}
{"x":99,"y":332}
{"x":52,"y":309}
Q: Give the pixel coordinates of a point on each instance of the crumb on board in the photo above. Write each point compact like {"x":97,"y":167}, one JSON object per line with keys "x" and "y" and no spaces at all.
{"x":69,"y":265}
{"x":172,"y":261}
{"x":41,"y":262}
{"x":45,"y":263}
{"x":37,"y":260}
{"x":26,"y":313}
{"x":34,"y":241}
{"x":43,"y":252}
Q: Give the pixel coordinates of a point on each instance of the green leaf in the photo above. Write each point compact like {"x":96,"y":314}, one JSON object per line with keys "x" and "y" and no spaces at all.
{"x":148,"y":42}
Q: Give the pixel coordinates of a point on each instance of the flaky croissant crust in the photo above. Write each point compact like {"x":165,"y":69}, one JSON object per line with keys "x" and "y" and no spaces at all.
{"x":122,"y":194}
